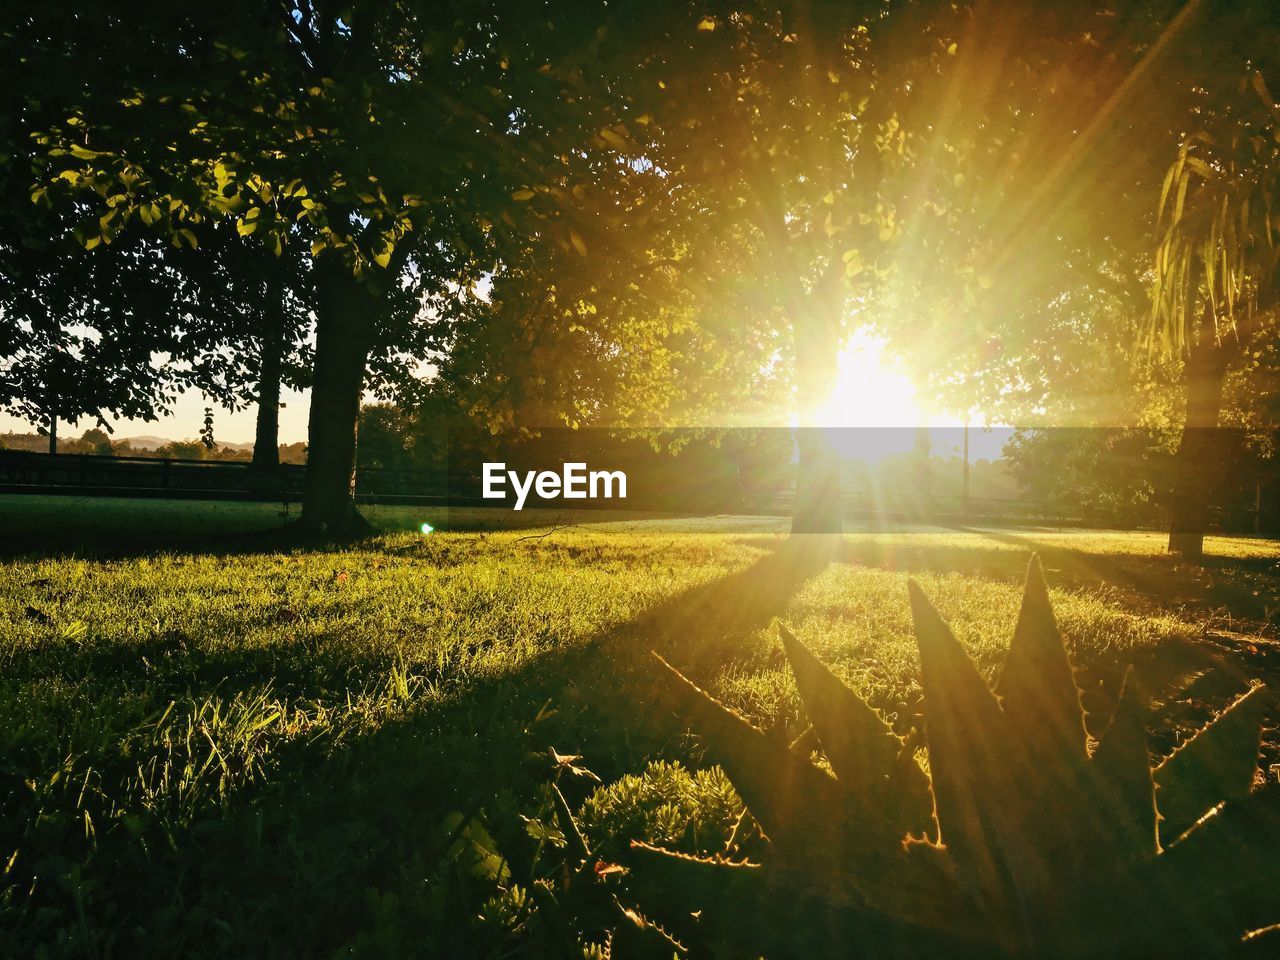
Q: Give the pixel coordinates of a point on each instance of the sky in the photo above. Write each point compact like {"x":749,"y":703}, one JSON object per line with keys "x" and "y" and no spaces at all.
{"x":862,"y":441}
{"x":873,"y":407}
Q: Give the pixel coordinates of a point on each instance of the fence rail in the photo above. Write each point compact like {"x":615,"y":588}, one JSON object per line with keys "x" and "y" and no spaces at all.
{"x":95,"y":475}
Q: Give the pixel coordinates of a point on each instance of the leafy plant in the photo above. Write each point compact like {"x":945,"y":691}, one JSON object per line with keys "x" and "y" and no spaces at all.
{"x":1020,"y":841}
{"x":680,"y":809}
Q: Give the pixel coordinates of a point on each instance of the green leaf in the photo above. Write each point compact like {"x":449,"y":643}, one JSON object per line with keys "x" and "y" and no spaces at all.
{"x":1164,"y":189}
{"x":475,"y":849}
{"x":1217,"y":764}
{"x":543,"y":832}
{"x":860,"y":746}
{"x":1121,"y":769}
{"x":1037,"y":688}
{"x":788,"y":795}
{"x":1198,"y":166}
{"x":968,"y":741}
{"x":613,"y":138}
{"x":1260,"y":87}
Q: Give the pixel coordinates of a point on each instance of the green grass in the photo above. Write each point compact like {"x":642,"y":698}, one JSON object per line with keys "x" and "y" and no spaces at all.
{"x":212,"y":744}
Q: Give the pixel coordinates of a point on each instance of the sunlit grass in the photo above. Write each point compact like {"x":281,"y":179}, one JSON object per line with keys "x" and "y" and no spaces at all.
{"x":153,"y":693}
{"x":857,"y":620}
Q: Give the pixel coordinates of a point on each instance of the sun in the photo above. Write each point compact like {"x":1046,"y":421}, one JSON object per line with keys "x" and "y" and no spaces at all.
{"x":870,"y":391}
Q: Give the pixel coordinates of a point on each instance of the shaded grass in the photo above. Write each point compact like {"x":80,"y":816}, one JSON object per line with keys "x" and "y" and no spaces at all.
{"x":258,"y":752}
{"x":105,"y":527}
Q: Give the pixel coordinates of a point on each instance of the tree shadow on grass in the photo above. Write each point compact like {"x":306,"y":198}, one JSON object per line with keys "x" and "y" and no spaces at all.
{"x":341,"y":839}
{"x":342,"y":843}
{"x":1235,"y":587}
{"x":701,"y":625}
{"x":1185,"y":680}
{"x":116,"y":528}
{"x":352,"y":833}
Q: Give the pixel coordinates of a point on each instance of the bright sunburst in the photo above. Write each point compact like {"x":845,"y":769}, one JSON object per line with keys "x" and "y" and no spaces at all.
{"x":870,"y":391}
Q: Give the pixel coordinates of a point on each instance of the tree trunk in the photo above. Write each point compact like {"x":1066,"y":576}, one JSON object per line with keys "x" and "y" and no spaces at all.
{"x":920,"y":507}
{"x":1198,"y":458}
{"x":344,"y":319}
{"x":53,"y":434}
{"x":819,"y":507}
{"x":266,"y":441}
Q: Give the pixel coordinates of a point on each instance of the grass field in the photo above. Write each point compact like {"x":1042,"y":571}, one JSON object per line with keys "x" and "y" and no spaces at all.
{"x":212,"y":744}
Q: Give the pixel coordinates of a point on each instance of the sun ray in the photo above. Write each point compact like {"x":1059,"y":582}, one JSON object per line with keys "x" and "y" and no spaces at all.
{"x":870,"y":391}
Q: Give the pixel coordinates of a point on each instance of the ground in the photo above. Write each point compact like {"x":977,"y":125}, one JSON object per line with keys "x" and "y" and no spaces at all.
{"x":213,"y":743}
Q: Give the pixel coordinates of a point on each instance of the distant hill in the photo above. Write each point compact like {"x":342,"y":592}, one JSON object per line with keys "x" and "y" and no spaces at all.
{"x":151,"y":443}
{"x":145,"y":446}
{"x":143,"y":443}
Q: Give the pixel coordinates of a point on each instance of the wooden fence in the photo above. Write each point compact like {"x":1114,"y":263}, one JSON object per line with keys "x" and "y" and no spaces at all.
{"x":93,"y":475}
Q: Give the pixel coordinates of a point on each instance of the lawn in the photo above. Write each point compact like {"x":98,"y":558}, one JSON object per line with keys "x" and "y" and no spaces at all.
{"x":212,"y":744}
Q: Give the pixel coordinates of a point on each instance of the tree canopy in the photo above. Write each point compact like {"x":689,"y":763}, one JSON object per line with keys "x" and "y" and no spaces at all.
{"x":627,"y":214}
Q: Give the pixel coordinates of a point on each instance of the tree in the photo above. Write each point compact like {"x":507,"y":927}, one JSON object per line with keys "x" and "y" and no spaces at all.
{"x":386,"y":438}
{"x":307,"y":124}
{"x":1216,"y":257}
{"x":97,"y":442}
{"x":635,"y":316}
{"x":891,"y":164}
{"x":83,"y":334}
{"x":249,"y":336}
{"x":790,"y":115}
{"x":1117,"y":476}
{"x":119,"y":332}
{"x":78,"y":337}
{"x":119,"y":322}
{"x":1060,"y":328}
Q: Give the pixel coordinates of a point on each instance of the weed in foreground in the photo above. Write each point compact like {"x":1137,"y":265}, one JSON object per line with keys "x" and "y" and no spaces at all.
{"x":1020,"y":840}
